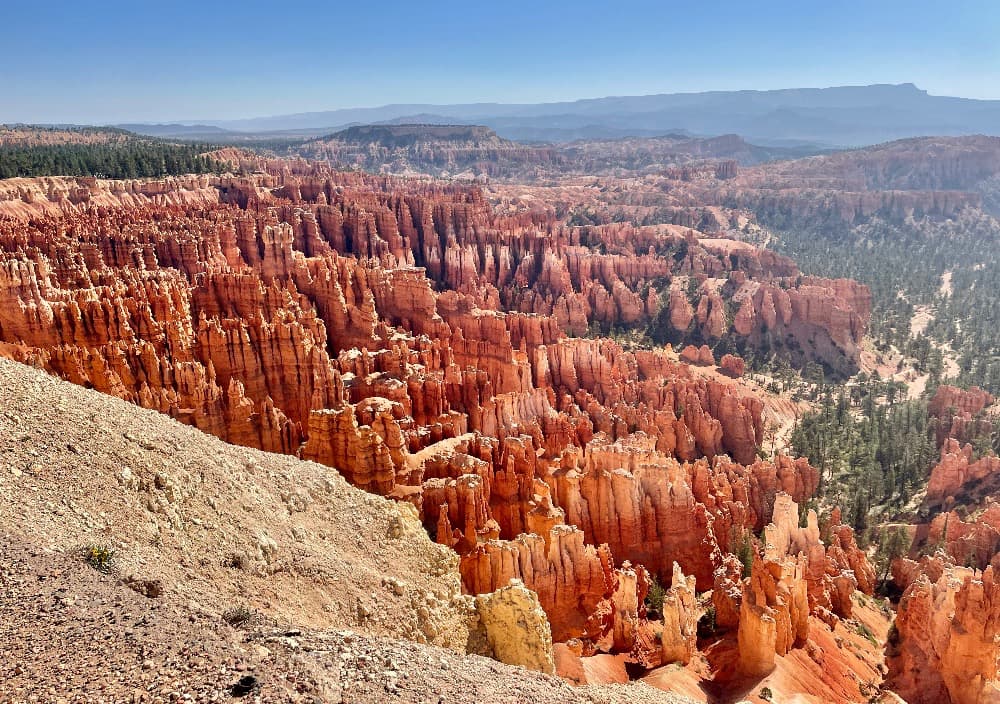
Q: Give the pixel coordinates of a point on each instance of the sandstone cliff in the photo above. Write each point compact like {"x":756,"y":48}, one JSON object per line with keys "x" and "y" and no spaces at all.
{"x":414,"y":337}
{"x":946,"y":647}
{"x":516,"y":628}
{"x":958,"y":474}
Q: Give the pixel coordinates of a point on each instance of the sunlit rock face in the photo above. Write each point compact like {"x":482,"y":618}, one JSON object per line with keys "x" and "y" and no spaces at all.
{"x":418,"y":339}
{"x":947,"y":645}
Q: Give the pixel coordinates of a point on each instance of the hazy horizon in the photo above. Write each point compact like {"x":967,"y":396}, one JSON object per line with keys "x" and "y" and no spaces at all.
{"x":211,"y":119}
{"x":205,"y":119}
{"x":189,"y":62}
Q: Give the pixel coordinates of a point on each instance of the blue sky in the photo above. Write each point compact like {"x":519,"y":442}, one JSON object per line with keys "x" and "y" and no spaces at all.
{"x":104,"y":62}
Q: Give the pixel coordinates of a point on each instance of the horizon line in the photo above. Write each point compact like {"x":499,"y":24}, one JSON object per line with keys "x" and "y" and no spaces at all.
{"x":206,"y":121}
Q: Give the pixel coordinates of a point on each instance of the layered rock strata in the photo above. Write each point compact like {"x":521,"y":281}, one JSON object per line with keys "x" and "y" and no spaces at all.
{"x":414,"y":337}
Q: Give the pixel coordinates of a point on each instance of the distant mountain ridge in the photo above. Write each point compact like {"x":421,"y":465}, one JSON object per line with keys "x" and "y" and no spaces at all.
{"x":837,"y":117}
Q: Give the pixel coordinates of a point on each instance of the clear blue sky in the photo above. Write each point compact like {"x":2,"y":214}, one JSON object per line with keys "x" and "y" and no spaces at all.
{"x":93,"y":61}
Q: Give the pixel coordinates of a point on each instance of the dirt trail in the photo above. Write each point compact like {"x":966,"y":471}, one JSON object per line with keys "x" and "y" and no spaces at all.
{"x":946,"y":288}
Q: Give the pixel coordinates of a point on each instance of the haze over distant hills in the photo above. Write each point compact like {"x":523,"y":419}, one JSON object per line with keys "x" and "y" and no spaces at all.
{"x":841,"y":117}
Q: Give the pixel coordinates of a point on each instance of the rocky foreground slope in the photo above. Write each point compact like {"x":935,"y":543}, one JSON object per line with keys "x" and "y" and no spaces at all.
{"x":228,"y":563}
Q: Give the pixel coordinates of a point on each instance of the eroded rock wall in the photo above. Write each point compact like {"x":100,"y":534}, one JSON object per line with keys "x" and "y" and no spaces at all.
{"x":413,"y":337}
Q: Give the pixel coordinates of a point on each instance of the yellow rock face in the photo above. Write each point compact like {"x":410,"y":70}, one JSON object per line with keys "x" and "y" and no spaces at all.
{"x":516,"y":627}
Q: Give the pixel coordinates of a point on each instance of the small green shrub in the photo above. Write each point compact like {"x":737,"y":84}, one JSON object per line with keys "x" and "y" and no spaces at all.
{"x":654,"y":599}
{"x":744,"y":549}
{"x":100,"y":557}
{"x":870,"y":690}
{"x":706,"y":624}
{"x":238,"y":616}
{"x":865,"y":632}
{"x":893,"y":636}
{"x":766,"y":694}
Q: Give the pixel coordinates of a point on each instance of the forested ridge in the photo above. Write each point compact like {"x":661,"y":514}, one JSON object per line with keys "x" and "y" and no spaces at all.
{"x":104,"y":153}
{"x":134,"y":160}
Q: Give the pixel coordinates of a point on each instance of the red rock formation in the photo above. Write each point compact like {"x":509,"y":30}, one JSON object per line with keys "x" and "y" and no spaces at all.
{"x":680,"y":311}
{"x":701,"y":356}
{"x":679,"y":638}
{"x":957,"y":472}
{"x":574,"y":581}
{"x":959,"y":413}
{"x":774,"y":613}
{"x":797,"y":576}
{"x":733,"y":366}
{"x":947,"y":646}
{"x":435,"y":149}
{"x":805,"y":317}
{"x":972,"y":542}
{"x":833,"y":572}
{"x":727,"y":591}
{"x":413,"y":336}
{"x":969,"y":402}
{"x":727,"y":169}
{"x":357,"y":452}
{"x":932,"y":175}
{"x":659,"y":511}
